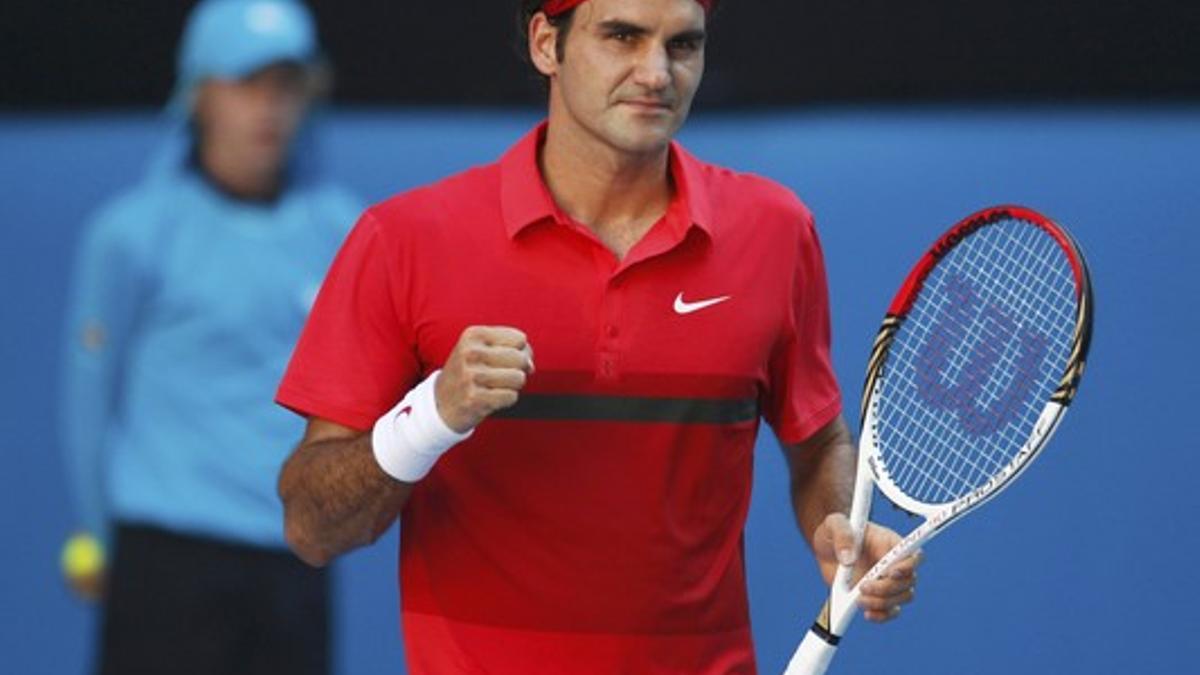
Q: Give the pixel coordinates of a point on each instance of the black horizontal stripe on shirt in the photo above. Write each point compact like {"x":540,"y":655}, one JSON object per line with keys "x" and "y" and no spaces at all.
{"x":586,"y":407}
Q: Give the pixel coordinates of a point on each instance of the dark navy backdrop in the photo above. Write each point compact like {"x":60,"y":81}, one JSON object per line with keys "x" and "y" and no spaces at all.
{"x":1085,"y":566}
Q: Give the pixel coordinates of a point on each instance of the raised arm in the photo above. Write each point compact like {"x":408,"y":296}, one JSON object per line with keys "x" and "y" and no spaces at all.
{"x":342,"y":488}
{"x":335,"y":495}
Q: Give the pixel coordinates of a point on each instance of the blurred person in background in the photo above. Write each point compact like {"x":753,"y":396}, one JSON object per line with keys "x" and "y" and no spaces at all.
{"x":586,"y":516}
{"x":189,"y":291}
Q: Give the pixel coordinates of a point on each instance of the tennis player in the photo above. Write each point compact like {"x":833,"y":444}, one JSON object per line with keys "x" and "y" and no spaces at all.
{"x":189,"y":292}
{"x":552,"y":369}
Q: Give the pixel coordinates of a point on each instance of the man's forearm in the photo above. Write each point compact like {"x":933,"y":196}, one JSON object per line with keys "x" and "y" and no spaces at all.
{"x":822,"y":475}
{"x":336,"y":498}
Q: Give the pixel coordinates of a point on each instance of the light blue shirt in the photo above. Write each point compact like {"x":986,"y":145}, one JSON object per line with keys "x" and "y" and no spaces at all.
{"x":185,"y":310}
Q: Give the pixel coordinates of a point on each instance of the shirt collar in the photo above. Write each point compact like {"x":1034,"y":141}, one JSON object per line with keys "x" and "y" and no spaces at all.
{"x":525,"y":199}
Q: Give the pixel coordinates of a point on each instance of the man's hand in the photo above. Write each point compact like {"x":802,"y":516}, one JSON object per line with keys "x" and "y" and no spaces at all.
{"x":485,"y":372}
{"x":88,"y":587}
{"x":881,"y":599}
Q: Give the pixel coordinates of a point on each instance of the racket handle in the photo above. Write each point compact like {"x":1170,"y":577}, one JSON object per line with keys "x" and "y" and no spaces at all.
{"x":812,"y":657}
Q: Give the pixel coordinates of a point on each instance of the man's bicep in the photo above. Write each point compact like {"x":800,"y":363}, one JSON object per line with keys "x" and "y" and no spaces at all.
{"x":811,"y":449}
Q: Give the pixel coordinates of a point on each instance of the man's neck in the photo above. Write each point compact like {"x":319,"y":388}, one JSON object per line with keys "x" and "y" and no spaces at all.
{"x":619,"y":196}
{"x":235,"y":179}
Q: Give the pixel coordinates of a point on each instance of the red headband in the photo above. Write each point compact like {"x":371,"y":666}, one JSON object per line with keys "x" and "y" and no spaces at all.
{"x":553,"y":8}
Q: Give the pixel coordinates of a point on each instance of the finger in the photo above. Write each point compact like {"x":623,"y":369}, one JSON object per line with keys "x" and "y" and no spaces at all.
{"x":907,"y":566}
{"x":888,"y":588}
{"x":499,"y":378}
{"x":903,"y":572}
{"x":884,"y":588}
{"x":92,"y":592}
{"x":89,"y":587}
{"x":842,"y":535}
{"x":498,"y":336}
{"x":492,"y":400}
{"x":899,"y":573}
{"x":885,"y":603}
{"x":882,"y":616}
{"x":876,"y":546}
{"x":498,"y":357}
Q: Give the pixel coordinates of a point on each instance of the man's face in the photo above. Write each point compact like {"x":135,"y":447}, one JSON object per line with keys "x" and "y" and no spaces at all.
{"x":255,"y":118}
{"x":630,"y":70}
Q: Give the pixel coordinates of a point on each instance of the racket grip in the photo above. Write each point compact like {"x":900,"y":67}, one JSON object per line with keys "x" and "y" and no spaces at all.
{"x":812,"y":657}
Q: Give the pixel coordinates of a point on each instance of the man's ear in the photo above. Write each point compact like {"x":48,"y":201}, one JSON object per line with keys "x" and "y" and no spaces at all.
{"x":543,"y":45}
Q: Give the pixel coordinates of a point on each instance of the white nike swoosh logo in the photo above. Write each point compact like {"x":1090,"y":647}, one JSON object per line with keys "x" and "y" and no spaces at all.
{"x":682,"y":307}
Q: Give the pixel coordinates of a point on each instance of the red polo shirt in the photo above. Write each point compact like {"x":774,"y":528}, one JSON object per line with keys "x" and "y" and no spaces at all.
{"x":596,"y":526}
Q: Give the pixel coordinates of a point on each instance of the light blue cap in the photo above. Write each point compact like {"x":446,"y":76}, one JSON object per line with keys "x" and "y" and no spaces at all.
{"x":230,"y":39}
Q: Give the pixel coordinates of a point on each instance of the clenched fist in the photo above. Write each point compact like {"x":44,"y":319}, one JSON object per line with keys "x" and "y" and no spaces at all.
{"x":485,"y":373}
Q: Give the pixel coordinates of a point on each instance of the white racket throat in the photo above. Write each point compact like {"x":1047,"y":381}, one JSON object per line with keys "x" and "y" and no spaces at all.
{"x":840,"y":609}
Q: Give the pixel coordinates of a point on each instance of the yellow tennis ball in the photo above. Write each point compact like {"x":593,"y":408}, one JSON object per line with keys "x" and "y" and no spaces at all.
{"x":82,"y":556}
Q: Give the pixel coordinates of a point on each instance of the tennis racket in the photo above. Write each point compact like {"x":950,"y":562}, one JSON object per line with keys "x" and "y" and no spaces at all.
{"x":980,"y":354}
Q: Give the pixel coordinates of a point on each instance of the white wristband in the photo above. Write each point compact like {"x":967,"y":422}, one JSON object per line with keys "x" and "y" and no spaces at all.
{"x":408,"y":439}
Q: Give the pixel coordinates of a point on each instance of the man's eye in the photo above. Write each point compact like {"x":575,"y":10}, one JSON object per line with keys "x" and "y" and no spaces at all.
{"x":684,"y":46}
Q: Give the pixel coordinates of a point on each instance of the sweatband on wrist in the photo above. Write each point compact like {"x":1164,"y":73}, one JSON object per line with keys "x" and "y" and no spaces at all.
{"x":408,"y":439}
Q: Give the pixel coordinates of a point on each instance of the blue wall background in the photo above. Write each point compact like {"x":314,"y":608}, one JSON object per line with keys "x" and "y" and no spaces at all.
{"x":1084,"y":566}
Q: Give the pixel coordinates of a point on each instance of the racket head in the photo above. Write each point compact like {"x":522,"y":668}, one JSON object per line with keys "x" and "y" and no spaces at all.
{"x":981,"y":351}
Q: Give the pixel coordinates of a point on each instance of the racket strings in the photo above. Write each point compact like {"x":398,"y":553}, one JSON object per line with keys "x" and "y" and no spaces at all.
{"x":964,"y":470}
{"x":974,"y":361}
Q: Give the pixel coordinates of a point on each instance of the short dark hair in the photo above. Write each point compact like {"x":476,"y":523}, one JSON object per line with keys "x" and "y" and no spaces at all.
{"x":562,"y":22}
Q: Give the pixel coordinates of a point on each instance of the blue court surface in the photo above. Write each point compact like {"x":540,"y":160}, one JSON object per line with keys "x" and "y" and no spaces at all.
{"x":1084,"y":566}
